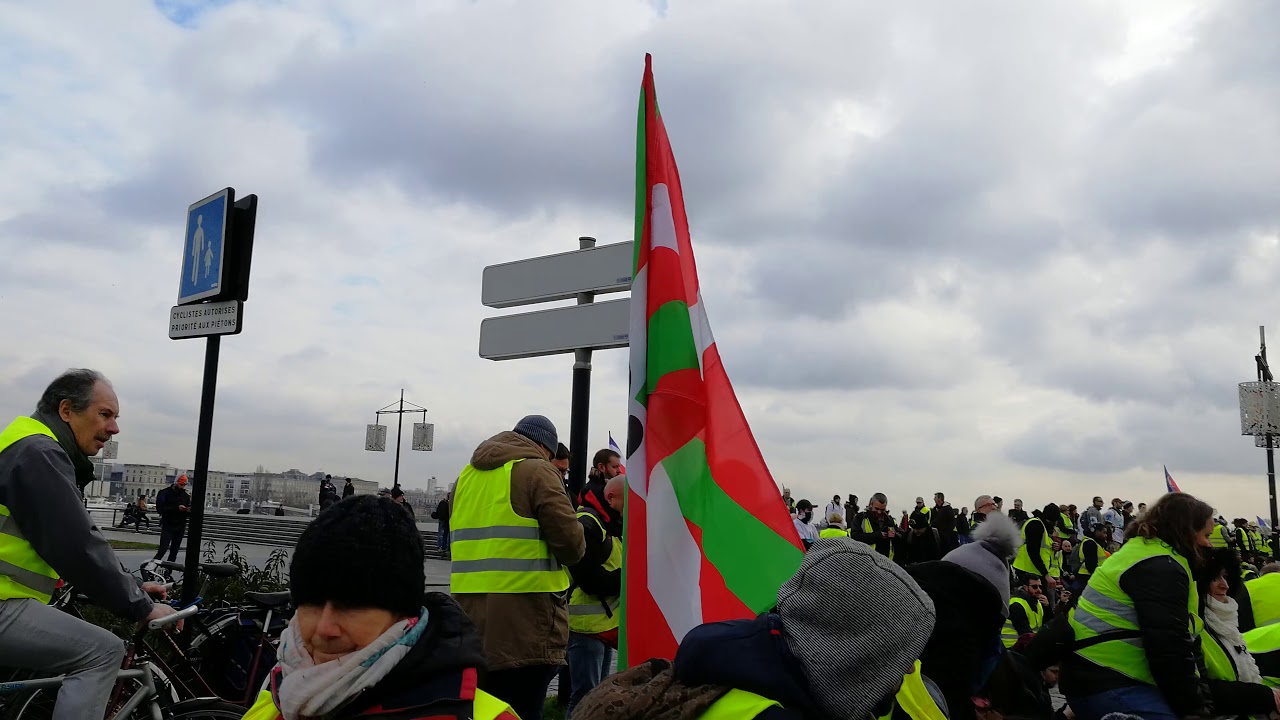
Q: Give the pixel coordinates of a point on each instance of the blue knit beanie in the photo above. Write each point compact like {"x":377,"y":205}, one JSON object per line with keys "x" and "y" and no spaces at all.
{"x":540,"y":430}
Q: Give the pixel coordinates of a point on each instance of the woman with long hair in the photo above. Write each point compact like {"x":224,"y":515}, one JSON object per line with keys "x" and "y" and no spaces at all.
{"x":1137,"y":622}
{"x":1230,"y":671}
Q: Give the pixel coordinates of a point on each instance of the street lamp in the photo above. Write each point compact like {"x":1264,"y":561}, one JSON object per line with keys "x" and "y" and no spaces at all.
{"x":1260,"y":417}
{"x":375,"y":436}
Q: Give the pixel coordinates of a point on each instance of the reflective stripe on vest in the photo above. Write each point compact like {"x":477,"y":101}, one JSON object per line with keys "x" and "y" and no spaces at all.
{"x":869,"y":529}
{"x":1105,"y":608}
{"x":587,"y":614}
{"x":1035,"y":618}
{"x":833,"y":532}
{"x":494,"y":550}
{"x":1023,"y":560}
{"x":1216,"y":663}
{"x":1264,"y":596}
{"x":23,"y":573}
{"x":484,"y":707}
{"x":1218,"y":538}
{"x":1055,"y":563}
{"x":738,"y":705}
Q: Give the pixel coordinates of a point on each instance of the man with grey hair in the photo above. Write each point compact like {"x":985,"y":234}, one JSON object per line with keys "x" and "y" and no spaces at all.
{"x":46,"y":535}
{"x":984,"y":505}
{"x":875,"y":526}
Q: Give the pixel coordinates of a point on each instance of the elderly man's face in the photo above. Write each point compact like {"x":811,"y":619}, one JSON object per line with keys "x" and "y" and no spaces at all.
{"x":95,"y":426}
{"x":329,"y":632}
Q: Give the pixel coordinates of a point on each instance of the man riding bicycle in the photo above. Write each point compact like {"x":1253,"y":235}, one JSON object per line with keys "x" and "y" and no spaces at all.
{"x":46,"y":534}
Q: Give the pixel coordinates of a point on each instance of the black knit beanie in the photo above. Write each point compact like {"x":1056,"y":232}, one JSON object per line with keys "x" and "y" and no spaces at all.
{"x":363,"y":552}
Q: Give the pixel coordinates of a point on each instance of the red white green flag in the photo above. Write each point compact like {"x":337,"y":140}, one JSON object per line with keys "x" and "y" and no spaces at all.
{"x":708,"y":537}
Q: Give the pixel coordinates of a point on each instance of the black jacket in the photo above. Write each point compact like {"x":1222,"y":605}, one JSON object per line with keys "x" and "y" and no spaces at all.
{"x":348,"y":489}
{"x":965,"y":634}
{"x":1034,"y":534}
{"x":590,"y":574}
{"x":1089,"y":555}
{"x":922,"y":548}
{"x":167,"y":502}
{"x":1018,"y":516}
{"x":1159,"y":588}
{"x":875,"y":538}
{"x":1018,"y":616}
{"x":432,"y":680}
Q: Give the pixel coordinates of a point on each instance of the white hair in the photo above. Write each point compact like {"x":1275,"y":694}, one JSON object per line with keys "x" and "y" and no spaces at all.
{"x":999,"y":535}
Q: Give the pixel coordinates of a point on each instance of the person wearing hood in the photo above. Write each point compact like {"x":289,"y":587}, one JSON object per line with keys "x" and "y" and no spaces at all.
{"x":594,"y":604}
{"x":47,"y":535}
{"x":1144,"y":592}
{"x":844,"y":642}
{"x":366,"y":640}
{"x":1036,"y":552}
{"x":803,"y":520}
{"x":513,"y":534}
{"x":851,"y":508}
{"x":835,"y":507}
{"x":1230,"y":671}
{"x":969,"y":588}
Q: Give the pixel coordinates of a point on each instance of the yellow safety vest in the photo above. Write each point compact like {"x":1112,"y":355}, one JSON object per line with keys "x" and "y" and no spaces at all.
{"x":868,"y":528}
{"x":1218,"y":538}
{"x":1023,"y":560}
{"x":1105,"y":608}
{"x":1264,"y":597}
{"x":1264,"y":641}
{"x":484,"y":707}
{"x":23,"y":573}
{"x":1035,"y":618}
{"x":494,"y":550}
{"x":833,"y":532}
{"x":1216,"y":663}
{"x":1102,"y":555}
{"x":1055,"y":563}
{"x":587,"y":614}
{"x":912,"y":697}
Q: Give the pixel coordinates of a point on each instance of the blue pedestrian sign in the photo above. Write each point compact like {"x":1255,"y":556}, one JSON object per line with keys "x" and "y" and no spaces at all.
{"x":203,"y":247}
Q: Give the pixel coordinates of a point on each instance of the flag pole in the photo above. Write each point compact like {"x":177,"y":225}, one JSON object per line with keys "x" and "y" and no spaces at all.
{"x":1264,"y":374}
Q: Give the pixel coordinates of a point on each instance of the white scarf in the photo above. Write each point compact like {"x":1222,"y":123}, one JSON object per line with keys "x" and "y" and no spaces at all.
{"x":306,"y":690}
{"x":1223,"y":618}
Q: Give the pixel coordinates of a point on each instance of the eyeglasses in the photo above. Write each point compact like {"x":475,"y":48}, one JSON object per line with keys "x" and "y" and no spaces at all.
{"x":1034,"y":587}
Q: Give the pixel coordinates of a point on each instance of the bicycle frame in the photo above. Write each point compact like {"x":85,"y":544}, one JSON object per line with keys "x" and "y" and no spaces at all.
{"x":146,"y":694}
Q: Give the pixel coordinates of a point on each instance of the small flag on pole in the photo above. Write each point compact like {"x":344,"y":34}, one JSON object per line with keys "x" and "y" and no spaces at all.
{"x":1262,"y":523}
{"x":1169,"y":484}
{"x":614,"y":447}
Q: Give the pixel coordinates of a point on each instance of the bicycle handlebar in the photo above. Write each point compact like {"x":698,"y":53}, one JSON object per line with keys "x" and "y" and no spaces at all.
{"x":168,"y":620}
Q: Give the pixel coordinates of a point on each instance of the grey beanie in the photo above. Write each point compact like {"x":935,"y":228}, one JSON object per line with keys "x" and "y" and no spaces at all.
{"x":994,"y":543}
{"x":856,"y":622}
{"x":540,"y":430}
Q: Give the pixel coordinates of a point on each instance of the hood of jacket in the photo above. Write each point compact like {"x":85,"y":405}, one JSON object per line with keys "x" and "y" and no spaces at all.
{"x":593,"y":497}
{"x":503,"y":448}
{"x":433,"y":677}
{"x":67,"y":440}
{"x":648,"y":691}
{"x":749,"y":655}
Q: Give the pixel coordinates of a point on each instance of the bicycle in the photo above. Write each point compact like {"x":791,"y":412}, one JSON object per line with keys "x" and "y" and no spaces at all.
{"x":139,"y":691}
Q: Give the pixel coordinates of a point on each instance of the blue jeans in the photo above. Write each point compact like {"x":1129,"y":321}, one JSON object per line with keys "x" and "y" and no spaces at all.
{"x":1145,"y":702}
{"x":442,"y":537}
{"x":590,"y":661}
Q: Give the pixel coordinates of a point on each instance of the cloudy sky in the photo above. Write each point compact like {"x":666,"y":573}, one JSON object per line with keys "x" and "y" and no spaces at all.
{"x":1021,"y":249}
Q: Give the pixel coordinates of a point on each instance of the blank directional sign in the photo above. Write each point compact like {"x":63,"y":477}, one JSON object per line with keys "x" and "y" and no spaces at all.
{"x":110,"y":450}
{"x":602,"y":269}
{"x":375,"y":438}
{"x":597,"y":326}
{"x":424,"y":436}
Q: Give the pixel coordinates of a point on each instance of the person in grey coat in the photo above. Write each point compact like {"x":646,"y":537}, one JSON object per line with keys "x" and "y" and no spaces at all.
{"x":46,"y":534}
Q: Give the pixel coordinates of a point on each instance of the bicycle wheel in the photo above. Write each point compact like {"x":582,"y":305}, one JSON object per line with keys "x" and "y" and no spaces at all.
{"x":30,"y":705}
{"x":206,"y":710}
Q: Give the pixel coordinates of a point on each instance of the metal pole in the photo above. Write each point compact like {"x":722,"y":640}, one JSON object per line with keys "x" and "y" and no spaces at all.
{"x":580,"y":408}
{"x":395,"y":483}
{"x":204,"y":434}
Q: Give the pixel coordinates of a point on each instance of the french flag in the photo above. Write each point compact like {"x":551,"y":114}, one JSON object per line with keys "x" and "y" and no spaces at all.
{"x":1169,"y":484}
{"x":614,"y":447}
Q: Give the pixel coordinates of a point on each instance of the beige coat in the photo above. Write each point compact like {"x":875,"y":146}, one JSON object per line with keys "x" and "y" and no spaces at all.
{"x":527,"y":628}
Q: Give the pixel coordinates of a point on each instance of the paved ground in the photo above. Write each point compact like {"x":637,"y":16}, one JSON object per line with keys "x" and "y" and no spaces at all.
{"x":437,"y":570}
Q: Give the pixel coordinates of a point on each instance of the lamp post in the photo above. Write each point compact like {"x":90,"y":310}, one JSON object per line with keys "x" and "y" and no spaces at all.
{"x":375,"y":435}
{"x":1260,"y":417}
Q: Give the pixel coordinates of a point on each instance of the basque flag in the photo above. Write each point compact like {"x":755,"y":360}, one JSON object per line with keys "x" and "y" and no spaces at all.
{"x":1169,"y":484}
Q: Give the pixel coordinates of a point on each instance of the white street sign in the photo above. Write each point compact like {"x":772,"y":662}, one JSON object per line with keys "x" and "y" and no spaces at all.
{"x":597,"y":326}
{"x":205,"y":319}
{"x":110,"y":450}
{"x":375,"y":438}
{"x":603,"y":269}
{"x":424,"y":436}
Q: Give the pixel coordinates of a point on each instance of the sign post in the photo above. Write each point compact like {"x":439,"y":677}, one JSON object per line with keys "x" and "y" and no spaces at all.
{"x":216,"y":253}
{"x":375,"y":437}
{"x":578,"y":329}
